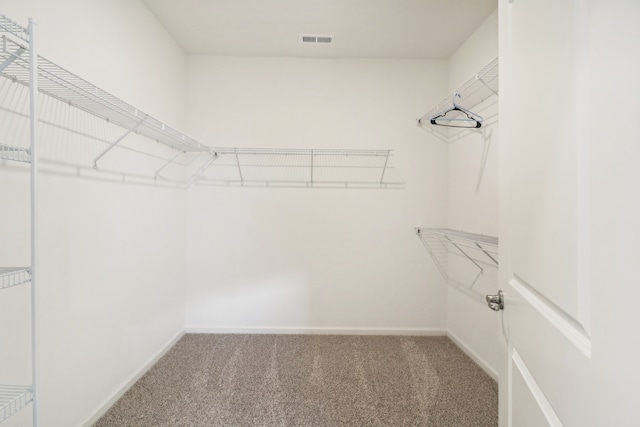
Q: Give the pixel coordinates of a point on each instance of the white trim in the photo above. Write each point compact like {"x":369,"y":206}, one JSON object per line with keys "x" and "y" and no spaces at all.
{"x":316,"y":330}
{"x":473,"y":355}
{"x":536,"y":391}
{"x":107,"y":404}
{"x":568,"y":327}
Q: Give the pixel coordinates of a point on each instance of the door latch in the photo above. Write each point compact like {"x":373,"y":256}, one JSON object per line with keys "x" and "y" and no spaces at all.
{"x":495,"y":302}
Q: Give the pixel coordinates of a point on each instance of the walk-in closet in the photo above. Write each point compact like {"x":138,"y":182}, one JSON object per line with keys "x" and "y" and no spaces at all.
{"x":319,"y":213}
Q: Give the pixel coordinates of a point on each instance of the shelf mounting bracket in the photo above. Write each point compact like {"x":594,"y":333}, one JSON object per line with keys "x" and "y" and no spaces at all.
{"x":15,"y":55}
{"x":487,"y":253}
{"x":171,"y":160}
{"x":117,"y":141}
{"x":239,"y":168}
{"x":384,"y":169}
{"x":204,"y":167}
{"x":465,"y":254}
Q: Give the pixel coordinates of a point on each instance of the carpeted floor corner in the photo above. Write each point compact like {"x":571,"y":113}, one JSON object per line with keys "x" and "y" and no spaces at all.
{"x":310,"y":380}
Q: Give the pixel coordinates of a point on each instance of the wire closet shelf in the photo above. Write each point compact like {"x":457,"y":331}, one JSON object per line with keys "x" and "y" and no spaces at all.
{"x":10,"y":26}
{"x":12,"y":399}
{"x":253,"y":165}
{"x":301,"y":167}
{"x":441,"y":241}
{"x":61,"y":84}
{"x":479,"y":93}
{"x":14,"y":276}
{"x":17,"y":154}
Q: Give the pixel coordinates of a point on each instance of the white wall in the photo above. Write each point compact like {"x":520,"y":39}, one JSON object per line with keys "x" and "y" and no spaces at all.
{"x":473,"y":207}
{"x":112,"y":255}
{"x":291,"y":259}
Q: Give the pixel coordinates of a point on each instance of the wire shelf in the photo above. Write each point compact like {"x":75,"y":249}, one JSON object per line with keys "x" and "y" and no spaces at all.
{"x":300,"y":167}
{"x":476,"y":248}
{"x":479,"y":93}
{"x":14,"y":276}
{"x":18,"y":154}
{"x":226,"y":166}
{"x":12,"y":399}
{"x":10,"y":26}
{"x":67,"y":87}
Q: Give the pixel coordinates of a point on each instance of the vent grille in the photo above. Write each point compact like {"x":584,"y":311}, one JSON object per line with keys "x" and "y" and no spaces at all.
{"x":316,"y":39}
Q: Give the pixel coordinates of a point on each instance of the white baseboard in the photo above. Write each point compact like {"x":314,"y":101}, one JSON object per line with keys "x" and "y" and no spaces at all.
{"x":311,"y":330}
{"x":104,"y":407}
{"x":473,"y":355}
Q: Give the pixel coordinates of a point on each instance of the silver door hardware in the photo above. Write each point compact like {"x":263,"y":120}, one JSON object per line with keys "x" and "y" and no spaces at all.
{"x":496,"y":302}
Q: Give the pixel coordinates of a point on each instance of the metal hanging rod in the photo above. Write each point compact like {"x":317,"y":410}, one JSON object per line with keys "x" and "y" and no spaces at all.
{"x":483,"y":86}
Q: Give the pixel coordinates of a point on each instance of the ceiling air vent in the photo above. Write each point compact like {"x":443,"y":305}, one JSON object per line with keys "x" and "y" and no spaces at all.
{"x":316,"y":39}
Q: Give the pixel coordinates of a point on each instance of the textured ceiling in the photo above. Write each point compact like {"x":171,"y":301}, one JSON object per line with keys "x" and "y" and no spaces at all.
{"x":362,"y":28}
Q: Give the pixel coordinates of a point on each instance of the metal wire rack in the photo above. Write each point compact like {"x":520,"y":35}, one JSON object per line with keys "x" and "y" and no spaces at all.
{"x":10,"y":26}
{"x":441,"y":241}
{"x":224,"y":166}
{"x":65,"y":86}
{"x":18,"y":154}
{"x":12,"y":399}
{"x":479,"y":93}
{"x":296,"y":167}
{"x":14,"y":276}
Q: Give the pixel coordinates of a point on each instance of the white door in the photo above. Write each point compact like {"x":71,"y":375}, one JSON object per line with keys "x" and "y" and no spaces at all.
{"x":570,"y":212}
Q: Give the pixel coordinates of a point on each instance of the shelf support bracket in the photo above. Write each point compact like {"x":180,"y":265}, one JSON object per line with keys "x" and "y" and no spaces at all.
{"x":384,"y":169}
{"x":116,"y":142}
{"x":465,"y":254}
{"x":204,"y":167}
{"x":239,"y":168}
{"x":311,"y":166}
{"x":15,"y":55}
{"x":486,"y":85}
{"x":487,"y":253}
{"x":157,"y":174}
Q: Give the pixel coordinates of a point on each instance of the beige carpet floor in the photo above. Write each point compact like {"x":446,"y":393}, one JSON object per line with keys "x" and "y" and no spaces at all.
{"x":310,"y":380}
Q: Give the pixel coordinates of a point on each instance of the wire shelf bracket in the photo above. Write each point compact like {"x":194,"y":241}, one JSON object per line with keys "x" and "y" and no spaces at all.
{"x":12,"y":56}
{"x":12,"y":399}
{"x":117,"y":141}
{"x":14,"y":276}
{"x":479,"y":92}
{"x":200,"y":171}
{"x":463,"y":242}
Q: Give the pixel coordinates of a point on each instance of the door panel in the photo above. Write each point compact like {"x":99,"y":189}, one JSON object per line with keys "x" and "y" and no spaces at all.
{"x":546,"y":316}
{"x":544,"y":347}
{"x":543,"y":150}
{"x":529,"y":401}
{"x":569,"y":210}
